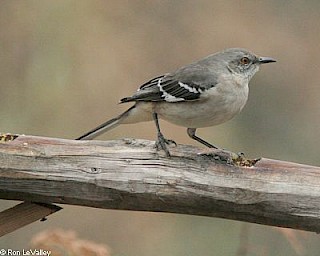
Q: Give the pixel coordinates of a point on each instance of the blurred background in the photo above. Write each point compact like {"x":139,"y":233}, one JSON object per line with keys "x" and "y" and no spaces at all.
{"x":64,"y":65}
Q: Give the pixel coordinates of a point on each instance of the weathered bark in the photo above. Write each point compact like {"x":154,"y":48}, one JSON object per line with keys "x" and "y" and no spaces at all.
{"x":131,"y":175}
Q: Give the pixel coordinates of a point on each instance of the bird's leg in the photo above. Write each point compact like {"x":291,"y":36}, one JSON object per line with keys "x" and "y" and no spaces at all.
{"x":192,"y":134}
{"x":222,"y":155}
{"x":161,"y":141}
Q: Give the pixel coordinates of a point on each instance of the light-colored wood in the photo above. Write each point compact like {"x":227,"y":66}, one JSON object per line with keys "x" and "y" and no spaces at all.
{"x":130,"y":174}
{"x":24,"y":214}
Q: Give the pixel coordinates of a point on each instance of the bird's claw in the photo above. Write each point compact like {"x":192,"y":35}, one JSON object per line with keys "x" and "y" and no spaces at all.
{"x":162,"y":143}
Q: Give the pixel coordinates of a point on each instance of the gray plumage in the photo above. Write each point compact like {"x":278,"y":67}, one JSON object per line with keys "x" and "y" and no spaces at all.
{"x":204,"y":93}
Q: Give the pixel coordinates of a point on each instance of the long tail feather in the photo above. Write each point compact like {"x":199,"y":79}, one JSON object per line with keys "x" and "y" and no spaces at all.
{"x":110,"y":124}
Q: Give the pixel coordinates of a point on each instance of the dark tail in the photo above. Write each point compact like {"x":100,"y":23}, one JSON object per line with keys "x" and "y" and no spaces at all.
{"x":105,"y":126}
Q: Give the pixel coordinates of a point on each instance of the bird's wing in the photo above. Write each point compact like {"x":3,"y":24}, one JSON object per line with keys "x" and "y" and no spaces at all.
{"x":149,"y":91}
{"x":186,"y":84}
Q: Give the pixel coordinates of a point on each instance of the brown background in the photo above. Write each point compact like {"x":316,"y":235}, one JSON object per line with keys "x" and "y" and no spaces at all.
{"x":65,"y":64}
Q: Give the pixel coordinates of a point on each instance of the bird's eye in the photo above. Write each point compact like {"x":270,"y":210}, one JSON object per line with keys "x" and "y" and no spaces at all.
{"x":244,"y":61}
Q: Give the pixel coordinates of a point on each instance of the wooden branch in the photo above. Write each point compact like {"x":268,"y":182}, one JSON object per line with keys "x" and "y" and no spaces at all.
{"x":24,"y":214}
{"x":130,"y":174}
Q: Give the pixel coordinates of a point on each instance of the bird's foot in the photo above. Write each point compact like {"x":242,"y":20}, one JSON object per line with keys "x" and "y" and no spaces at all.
{"x":228,"y":157}
{"x":162,"y":143}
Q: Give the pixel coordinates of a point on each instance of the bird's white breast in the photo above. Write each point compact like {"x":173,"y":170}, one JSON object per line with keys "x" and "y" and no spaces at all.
{"x":216,"y":105}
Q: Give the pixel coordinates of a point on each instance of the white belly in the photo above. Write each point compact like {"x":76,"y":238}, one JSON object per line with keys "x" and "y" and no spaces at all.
{"x":216,"y":108}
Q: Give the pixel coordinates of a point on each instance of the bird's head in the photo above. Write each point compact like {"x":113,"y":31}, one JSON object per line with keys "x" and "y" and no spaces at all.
{"x":242,"y":62}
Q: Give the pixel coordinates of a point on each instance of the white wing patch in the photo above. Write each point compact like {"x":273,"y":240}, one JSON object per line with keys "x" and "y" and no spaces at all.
{"x":190,"y":89}
{"x":168,"y":97}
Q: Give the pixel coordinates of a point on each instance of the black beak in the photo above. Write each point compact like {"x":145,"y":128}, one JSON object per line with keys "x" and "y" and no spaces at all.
{"x":263,"y":60}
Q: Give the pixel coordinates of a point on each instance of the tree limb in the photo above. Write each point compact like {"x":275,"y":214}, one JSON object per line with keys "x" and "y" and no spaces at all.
{"x":130,"y":174}
{"x":24,"y":214}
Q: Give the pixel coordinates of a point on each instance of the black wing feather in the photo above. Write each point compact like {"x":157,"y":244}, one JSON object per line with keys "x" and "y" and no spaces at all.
{"x":185,"y":84}
{"x":149,"y":91}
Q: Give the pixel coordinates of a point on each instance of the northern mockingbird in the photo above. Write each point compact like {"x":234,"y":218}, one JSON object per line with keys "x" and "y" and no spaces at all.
{"x":204,"y":93}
